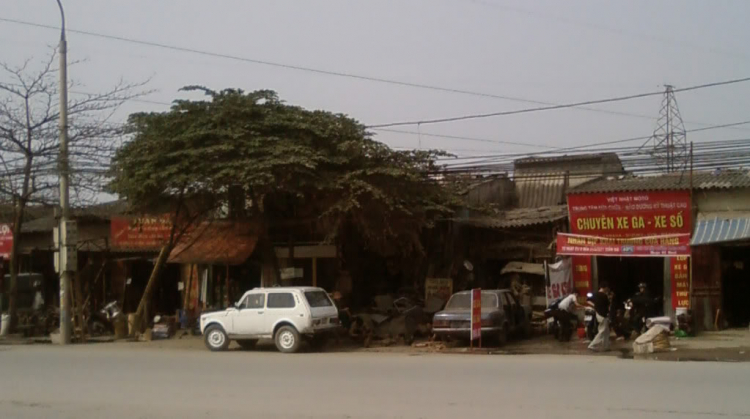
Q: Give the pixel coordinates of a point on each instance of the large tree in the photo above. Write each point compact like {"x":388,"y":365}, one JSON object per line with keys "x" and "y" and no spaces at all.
{"x":29,"y":144}
{"x":258,"y":156}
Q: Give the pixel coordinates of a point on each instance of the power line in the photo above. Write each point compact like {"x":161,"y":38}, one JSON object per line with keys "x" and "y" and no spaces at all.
{"x":552,"y":149}
{"x":556,"y":107}
{"x":324,"y":72}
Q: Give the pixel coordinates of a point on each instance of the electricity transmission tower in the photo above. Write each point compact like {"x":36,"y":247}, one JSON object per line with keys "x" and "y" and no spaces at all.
{"x":671,"y":149}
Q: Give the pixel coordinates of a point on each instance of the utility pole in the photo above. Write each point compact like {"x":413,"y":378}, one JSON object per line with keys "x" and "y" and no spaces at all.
{"x":65,"y":249}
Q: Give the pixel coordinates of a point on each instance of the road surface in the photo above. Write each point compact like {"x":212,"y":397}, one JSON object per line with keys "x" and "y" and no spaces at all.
{"x":116,"y":381}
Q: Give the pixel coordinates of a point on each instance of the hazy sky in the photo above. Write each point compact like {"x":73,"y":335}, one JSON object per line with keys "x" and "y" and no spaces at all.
{"x":552,"y":51}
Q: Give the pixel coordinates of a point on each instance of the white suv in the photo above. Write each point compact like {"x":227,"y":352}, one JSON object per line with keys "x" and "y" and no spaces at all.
{"x":282,"y":314}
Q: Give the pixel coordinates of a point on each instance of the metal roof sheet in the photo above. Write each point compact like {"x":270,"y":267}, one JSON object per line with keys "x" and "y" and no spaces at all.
{"x":519,"y":217}
{"x":216,"y":243}
{"x":721,"y":227}
{"x":673,"y":181}
{"x":541,"y":191}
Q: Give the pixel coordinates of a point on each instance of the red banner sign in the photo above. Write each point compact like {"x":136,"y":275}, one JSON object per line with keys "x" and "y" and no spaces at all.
{"x":580,"y":245}
{"x":680,"y":269}
{"x":630,"y":214}
{"x":582,"y":275}
{"x":476,"y":314}
{"x":6,"y":240}
{"x":145,"y":233}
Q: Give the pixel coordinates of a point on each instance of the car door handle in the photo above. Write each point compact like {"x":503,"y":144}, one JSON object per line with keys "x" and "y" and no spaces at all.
{"x":260,"y":312}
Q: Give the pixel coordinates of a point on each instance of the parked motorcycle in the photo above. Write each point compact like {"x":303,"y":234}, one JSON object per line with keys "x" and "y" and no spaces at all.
{"x":103,"y":322}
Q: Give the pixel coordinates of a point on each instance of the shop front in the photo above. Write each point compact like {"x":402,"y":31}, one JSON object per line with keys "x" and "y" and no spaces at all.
{"x":626,"y":238}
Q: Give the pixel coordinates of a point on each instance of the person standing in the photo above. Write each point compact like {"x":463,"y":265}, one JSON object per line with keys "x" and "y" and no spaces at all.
{"x":600,"y":302}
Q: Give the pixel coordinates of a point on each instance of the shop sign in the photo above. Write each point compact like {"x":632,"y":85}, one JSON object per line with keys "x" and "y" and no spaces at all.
{"x":582,"y":275}
{"x":630,"y":214}
{"x":291,"y":273}
{"x":438,"y":287}
{"x":6,"y":240}
{"x":680,"y":269}
{"x":146,"y":233}
{"x":660,"y":246}
{"x":476,"y":314}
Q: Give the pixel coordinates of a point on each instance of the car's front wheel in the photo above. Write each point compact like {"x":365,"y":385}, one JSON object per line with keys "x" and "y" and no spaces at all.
{"x":287,"y":339}
{"x":216,"y":339}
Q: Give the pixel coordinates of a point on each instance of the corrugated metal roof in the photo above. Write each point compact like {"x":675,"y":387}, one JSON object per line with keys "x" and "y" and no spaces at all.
{"x":217,"y":243}
{"x":574,"y":158}
{"x":718,"y":227}
{"x":522,"y":217}
{"x":677,"y":181}
{"x":542,"y":191}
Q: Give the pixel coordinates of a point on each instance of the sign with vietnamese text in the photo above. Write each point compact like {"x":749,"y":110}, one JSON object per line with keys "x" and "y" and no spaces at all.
{"x":630,"y":214}
{"x":659,"y":246}
{"x":582,"y":275}
{"x":680,"y":270}
{"x":476,"y":314}
{"x":6,"y":240}
{"x":145,"y":233}
{"x":438,"y":287}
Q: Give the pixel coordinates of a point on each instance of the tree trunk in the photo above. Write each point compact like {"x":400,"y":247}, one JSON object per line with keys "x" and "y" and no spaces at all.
{"x":138,"y":324}
{"x":269,"y":254}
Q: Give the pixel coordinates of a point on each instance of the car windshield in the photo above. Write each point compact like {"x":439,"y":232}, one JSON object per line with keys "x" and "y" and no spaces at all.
{"x":318,"y":299}
{"x":463,"y":301}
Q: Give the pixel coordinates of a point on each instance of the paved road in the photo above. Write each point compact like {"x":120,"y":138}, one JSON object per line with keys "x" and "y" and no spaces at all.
{"x":112,"y":381}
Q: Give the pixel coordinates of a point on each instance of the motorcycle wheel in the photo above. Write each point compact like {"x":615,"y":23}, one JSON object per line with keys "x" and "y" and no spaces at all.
{"x":97,"y":328}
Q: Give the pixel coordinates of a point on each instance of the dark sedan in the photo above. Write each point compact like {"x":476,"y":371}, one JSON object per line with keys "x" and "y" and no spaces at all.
{"x":502,"y":315}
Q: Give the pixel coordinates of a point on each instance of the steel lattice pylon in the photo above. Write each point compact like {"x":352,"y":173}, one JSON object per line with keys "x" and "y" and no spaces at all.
{"x":671,"y":149}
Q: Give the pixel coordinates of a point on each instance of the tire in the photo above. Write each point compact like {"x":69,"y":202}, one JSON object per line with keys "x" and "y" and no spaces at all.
{"x":528,"y":331}
{"x":247,"y":344}
{"x":216,"y":339}
{"x":287,"y":340}
{"x":98,"y":328}
{"x":502,"y":336}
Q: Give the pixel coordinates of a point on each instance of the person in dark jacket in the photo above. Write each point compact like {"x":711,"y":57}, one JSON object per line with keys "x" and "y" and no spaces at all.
{"x":600,"y":302}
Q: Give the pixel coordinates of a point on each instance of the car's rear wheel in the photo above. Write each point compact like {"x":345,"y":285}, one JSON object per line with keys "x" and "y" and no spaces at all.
{"x":502,"y":335}
{"x":287,"y":339}
{"x":247,"y":344}
{"x":216,"y":339}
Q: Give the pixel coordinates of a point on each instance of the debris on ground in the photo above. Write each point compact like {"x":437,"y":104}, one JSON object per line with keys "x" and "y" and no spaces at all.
{"x":655,"y":339}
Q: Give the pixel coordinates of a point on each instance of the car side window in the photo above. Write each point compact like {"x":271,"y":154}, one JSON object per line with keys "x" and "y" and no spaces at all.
{"x":507,"y":302}
{"x":254,"y":301}
{"x":281,"y":300}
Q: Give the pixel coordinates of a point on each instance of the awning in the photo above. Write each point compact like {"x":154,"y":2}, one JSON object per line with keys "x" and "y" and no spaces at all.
{"x":216,"y":243}
{"x":720,"y":227}
{"x":523,"y":267}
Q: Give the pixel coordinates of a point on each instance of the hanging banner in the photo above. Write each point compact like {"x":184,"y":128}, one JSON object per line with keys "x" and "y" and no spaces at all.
{"x":630,"y":214}
{"x":560,"y":280}
{"x":680,"y":269}
{"x":476,"y":314}
{"x":658,"y":246}
{"x":582,"y":276}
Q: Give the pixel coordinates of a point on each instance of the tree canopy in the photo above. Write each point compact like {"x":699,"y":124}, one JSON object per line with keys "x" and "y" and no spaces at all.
{"x":266,"y":151}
